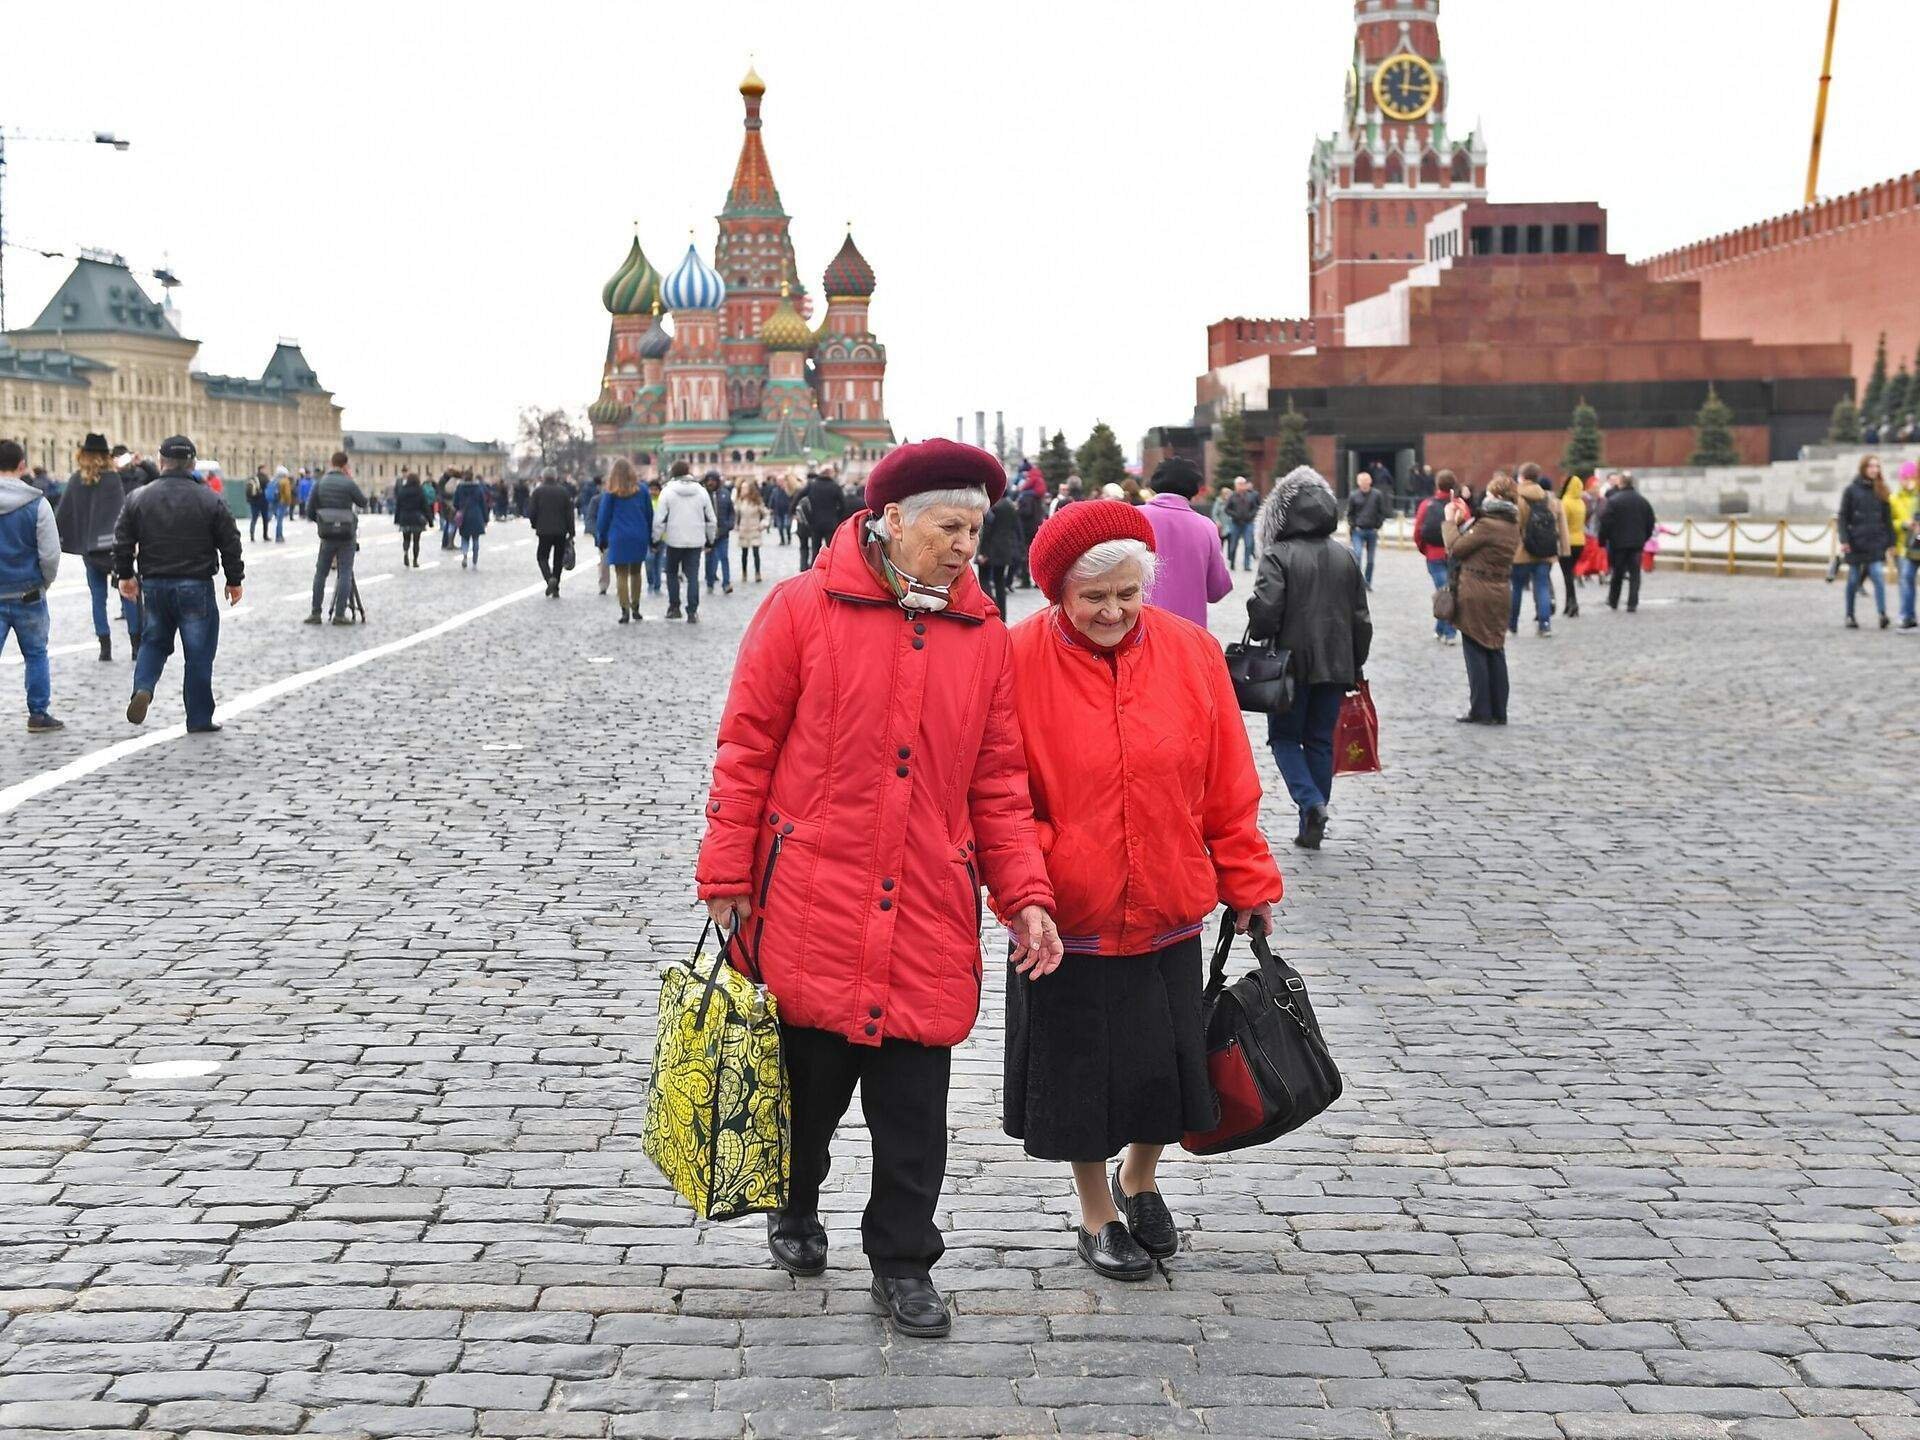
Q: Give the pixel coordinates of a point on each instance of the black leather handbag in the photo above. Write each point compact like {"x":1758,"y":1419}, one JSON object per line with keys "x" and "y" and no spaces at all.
{"x":1268,"y":1063}
{"x":1262,"y":675}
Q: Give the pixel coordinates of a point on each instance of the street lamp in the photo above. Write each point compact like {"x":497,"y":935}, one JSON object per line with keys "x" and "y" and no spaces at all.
{"x":98,"y":137}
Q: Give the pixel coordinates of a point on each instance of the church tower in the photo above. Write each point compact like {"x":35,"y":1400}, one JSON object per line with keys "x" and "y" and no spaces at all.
{"x":850,"y":363}
{"x":1373,"y":186}
{"x":754,"y":256}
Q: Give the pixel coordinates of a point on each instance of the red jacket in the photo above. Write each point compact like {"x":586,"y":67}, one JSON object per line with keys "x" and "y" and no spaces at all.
{"x":1432,"y":552}
{"x":1143,"y":782}
{"x":869,"y":780}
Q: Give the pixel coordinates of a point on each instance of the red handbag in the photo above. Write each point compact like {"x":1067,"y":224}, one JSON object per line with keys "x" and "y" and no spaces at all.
{"x":1356,"y":737}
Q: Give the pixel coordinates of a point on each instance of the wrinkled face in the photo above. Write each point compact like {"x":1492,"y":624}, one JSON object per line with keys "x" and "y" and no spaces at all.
{"x":1107,"y":607}
{"x":935,"y":548}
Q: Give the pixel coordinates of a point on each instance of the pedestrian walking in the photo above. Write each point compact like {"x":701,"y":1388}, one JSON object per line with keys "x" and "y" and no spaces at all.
{"x":282,"y":503}
{"x":719,"y":561}
{"x":1242,"y":507}
{"x":89,"y":508}
{"x":550,"y":509}
{"x":685,"y":522}
{"x":1310,"y":600}
{"x":1573,"y":515}
{"x":1106,"y":1054}
{"x":29,"y":561}
{"x":334,"y":506}
{"x":1866,"y":535}
{"x":1190,"y":572}
{"x":1368,"y":508}
{"x":1481,"y":550}
{"x":472,"y":502}
{"x":522,"y":498}
{"x":1905,"y":507}
{"x":862,"y":892}
{"x":1429,"y":526}
{"x":173,"y":534}
{"x":303,"y":488}
{"x":750,"y":528}
{"x":823,"y":516}
{"x":780,"y":509}
{"x":623,"y":530}
{"x":657,"y":550}
{"x":260,"y":504}
{"x":1543,"y":539}
{"x":1001,"y":545}
{"x":410,"y":517}
{"x":1032,"y":505}
{"x":1626,"y":525}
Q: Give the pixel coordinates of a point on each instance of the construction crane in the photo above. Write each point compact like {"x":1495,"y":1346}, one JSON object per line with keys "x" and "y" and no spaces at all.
{"x":1820,"y":108}
{"x":98,"y":137}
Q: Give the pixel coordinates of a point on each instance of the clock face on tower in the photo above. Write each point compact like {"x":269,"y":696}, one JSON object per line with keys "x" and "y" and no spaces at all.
{"x":1405,"y":87}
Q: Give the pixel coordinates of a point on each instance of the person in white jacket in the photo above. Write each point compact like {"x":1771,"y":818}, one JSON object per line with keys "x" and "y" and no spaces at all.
{"x":686,"y":525}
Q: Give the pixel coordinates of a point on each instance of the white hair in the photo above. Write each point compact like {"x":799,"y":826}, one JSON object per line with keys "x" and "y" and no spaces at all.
{"x":1110,"y":555}
{"x":914,"y":506}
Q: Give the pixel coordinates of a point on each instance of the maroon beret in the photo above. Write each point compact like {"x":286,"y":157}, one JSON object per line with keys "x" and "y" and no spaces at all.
{"x":933,"y":465}
{"x":1075,"y":529}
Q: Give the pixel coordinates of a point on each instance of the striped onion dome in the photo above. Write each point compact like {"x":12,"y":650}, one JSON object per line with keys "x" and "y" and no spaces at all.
{"x":784,"y":329}
{"x":607,"y":410}
{"x":848,"y":273}
{"x":634,"y":285}
{"x":694,"y":285}
{"x":656,"y":342}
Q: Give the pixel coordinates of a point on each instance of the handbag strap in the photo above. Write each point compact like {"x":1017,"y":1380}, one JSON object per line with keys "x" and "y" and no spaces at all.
{"x":712,"y":986}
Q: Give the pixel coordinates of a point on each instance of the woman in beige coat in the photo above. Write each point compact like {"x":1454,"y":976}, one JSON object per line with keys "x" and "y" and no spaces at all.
{"x":749,"y":526}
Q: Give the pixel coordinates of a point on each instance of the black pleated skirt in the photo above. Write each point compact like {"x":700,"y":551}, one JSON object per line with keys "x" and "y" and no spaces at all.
{"x":1106,"y":1051}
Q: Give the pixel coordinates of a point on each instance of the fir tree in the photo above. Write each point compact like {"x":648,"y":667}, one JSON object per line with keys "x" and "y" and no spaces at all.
{"x":1898,"y":399}
{"x":1100,"y":460}
{"x":1585,"y":445}
{"x":1056,"y":461}
{"x":1870,"y":402}
{"x":1229,"y":448}
{"x":1291,"y":452}
{"x":1844,"y":428}
{"x":1713,"y":433}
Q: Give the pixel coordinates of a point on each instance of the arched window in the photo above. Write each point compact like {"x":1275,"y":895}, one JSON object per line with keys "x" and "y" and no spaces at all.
{"x":1373,"y":214}
{"x":1430,"y":169}
{"x":1363,"y":169}
{"x":1462,"y":168}
{"x":1396,"y":171}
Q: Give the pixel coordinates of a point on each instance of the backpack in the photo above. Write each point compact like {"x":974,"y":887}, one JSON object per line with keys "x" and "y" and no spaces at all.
{"x":1541,"y":538}
{"x":1431,"y":535}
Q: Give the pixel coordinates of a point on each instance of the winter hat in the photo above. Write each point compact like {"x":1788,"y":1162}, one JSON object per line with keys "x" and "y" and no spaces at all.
{"x":1071,"y":532}
{"x":1176,"y":475}
{"x":177,"y":447}
{"x":934,"y":464}
{"x":1910,"y":470}
{"x":94,"y":445}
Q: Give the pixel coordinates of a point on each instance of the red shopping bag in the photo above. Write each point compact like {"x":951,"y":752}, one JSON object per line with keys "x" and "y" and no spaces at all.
{"x":1356,"y":736}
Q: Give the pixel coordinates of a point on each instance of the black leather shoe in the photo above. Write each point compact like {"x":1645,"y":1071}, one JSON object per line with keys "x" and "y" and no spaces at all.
{"x":1148,"y":1219}
{"x":1115,"y":1253}
{"x":913,"y":1304}
{"x":1313,"y":828}
{"x":798,"y":1243}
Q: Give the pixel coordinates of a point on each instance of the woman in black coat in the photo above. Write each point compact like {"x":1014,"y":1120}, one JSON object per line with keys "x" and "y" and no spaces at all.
{"x":1002,"y":547}
{"x":410,"y":514}
{"x":1866,"y":534}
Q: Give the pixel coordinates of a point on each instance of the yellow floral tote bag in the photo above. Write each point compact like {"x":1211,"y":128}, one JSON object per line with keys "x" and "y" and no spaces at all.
{"x":719,"y":1120}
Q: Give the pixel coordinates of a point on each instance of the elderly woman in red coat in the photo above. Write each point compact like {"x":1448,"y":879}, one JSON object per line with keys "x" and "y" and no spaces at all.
{"x":870,"y":780}
{"x":1147,"y":802}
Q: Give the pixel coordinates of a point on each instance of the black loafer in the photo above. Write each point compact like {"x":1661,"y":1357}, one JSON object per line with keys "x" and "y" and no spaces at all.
{"x":1114,"y":1252}
{"x":798,"y":1243}
{"x":913,"y":1304}
{"x":1148,"y":1219}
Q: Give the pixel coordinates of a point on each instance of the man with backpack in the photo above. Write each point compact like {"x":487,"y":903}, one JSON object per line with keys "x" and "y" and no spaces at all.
{"x":259,"y":513}
{"x":334,"y":506}
{"x":1543,"y":540}
{"x":1428,"y":535}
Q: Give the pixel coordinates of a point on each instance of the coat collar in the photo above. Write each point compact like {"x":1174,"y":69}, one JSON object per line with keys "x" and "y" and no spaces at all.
{"x":849,"y":577}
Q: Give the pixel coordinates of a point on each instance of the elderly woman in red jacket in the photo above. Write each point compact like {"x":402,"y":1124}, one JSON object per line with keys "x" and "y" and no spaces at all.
{"x":1147,"y":801}
{"x":870,"y":780}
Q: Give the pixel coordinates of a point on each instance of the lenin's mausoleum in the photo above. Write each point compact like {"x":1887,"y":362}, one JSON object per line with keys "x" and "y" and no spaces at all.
{"x":1450,"y":330}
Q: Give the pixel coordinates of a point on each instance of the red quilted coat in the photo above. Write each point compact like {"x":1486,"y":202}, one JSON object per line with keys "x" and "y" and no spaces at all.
{"x":870,"y":779}
{"x":1143,"y":782}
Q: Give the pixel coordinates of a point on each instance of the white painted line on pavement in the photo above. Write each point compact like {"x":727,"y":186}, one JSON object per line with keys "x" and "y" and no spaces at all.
{"x":14,"y":796}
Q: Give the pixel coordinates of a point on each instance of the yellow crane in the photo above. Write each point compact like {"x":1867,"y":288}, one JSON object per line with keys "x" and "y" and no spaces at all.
{"x":1820,"y":109}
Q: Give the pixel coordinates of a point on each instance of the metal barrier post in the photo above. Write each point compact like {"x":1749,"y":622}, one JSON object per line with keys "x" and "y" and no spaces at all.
{"x":1780,"y":552}
{"x":1686,"y":545}
{"x":1733,"y":541}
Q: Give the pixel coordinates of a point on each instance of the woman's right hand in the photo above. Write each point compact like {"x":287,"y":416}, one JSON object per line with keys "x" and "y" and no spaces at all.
{"x":730,"y":912}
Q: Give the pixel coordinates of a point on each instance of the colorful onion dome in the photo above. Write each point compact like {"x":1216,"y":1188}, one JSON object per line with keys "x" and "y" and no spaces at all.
{"x":656,"y":342}
{"x":753,"y":84}
{"x":849,"y":273}
{"x":694,"y":285}
{"x":607,"y":410}
{"x":634,"y":285}
{"x":784,"y":329}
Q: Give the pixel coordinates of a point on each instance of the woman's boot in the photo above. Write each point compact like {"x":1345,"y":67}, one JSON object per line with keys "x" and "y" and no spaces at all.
{"x":106,"y":647}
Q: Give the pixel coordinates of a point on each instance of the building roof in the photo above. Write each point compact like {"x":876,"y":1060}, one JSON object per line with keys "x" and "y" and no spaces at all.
{"x":101,"y":297}
{"x":416,"y":442}
{"x":694,"y":285}
{"x":848,"y":273}
{"x":634,"y":286}
{"x":47,"y":367}
{"x":752,"y":191}
{"x":290,"y":370}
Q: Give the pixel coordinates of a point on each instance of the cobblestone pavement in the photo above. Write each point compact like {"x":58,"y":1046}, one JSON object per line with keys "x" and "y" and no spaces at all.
{"x":1627,"y":996}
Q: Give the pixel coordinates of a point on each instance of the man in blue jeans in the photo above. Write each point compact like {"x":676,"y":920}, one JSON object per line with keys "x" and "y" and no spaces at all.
{"x":29,"y":559}
{"x":173,"y":534}
{"x":1367,"y":510}
{"x":1543,"y":537}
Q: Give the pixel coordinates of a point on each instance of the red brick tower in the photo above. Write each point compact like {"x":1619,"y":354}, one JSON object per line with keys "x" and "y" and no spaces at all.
{"x":1373,"y":186}
{"x":754,"y":255}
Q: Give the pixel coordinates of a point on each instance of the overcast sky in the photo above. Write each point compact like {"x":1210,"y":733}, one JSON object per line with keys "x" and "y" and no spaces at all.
{"x":1057,"y":198}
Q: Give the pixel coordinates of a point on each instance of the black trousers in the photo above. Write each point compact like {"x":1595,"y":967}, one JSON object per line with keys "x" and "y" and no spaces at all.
{"x":548,"y":553}
{"x":903,"y":1093}
{"x":1623,"y":565}
{"x":994,"y":579}
{"x":1486,"y":680}
{"x":808,"y":549}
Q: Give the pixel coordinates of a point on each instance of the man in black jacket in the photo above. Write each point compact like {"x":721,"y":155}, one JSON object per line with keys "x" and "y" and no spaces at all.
{"x":1367,"y":510}
{"x":824,"y":513}
{"x":550,"y":508}
{"x":334,"y":506}
{"x":173,"y":534}
{"x":1625,"y":527}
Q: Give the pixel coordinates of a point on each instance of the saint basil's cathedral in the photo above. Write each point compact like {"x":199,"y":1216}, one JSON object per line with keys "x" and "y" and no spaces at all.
{"x":742,"y":383}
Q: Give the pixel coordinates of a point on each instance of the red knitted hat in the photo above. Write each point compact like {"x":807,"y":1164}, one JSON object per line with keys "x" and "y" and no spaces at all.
{"x":1076,"y":529}
{"x":935,"y":464}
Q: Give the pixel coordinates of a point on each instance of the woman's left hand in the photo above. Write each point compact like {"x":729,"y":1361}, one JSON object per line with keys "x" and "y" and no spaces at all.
{"x":1036,"y":943}
{"x":1260,"y":916}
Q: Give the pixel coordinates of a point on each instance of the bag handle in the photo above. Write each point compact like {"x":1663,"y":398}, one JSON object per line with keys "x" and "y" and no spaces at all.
{"x":1262,"y":953}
